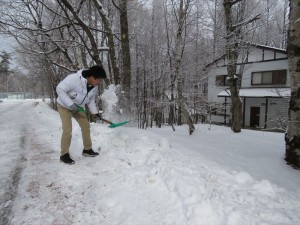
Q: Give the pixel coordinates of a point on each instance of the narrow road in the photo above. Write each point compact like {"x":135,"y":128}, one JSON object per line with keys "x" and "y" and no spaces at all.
{"x":13,"y":129}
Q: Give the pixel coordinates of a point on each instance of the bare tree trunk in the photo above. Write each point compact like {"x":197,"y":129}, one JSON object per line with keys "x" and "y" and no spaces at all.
{"x":293,"y":135}
{"x":233,"y":40}
{"x":126,"y":81}
{"x":232,"y":57}
{"x":178,"y":58}
{"x":171,"y":117}
{"x":110,"y":41}
{"x":145,"y":96}
{"x":284,"y":26}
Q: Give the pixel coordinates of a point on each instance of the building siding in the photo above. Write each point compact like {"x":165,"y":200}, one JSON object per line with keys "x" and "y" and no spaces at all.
{"x":259,"y":60}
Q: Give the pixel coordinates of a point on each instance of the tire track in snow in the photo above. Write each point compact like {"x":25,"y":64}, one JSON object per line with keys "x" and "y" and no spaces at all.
{"x":12,"y":187}
{"x":15,"y":129}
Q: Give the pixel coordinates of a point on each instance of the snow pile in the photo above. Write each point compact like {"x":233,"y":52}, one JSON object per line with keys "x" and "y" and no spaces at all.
{"x":155,"y":176}
{"x":109,"y":101}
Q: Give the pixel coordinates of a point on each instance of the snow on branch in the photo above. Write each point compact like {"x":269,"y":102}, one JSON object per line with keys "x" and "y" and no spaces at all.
{"x":100,"y":8}
{"x":245,"y":22}
{"x":234,"y":2}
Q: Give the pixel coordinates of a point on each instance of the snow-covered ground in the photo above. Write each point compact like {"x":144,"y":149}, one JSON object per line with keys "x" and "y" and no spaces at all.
{"x":142,"y":177}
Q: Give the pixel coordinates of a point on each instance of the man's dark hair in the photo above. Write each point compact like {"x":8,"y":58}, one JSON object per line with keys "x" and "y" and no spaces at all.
{"x":96,"y":71}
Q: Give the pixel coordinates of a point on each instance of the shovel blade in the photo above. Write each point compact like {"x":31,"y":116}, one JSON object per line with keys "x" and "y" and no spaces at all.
{"x":114,"y":125}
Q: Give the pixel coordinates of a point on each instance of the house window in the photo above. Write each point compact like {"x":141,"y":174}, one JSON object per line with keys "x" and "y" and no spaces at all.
{"x":221,"y":80}
{"x":269,"y":77}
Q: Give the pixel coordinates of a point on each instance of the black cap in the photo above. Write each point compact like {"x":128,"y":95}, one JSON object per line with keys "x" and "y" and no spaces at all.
{"x":96,"y":71}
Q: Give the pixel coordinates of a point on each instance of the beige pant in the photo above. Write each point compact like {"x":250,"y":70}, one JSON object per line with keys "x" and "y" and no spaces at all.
{"x":66,"y":120}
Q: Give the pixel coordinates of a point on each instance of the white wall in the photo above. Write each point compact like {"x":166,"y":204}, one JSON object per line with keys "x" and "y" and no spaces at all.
{"x":264,"y":66}
{"x":277,"y":107}
{"x":213,"y":89}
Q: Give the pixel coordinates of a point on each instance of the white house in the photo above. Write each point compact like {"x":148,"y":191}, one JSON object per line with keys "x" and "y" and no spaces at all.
{"x":264,"y":88}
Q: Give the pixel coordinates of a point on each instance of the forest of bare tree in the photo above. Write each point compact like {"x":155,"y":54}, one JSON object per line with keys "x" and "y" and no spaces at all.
{"x":156,"y":51}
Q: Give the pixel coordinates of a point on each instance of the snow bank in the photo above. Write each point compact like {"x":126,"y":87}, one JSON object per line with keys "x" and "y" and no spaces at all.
{"x":155,"y":176}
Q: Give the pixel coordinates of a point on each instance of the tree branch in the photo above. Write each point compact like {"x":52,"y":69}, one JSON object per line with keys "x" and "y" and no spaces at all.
{"x":231,"y":3}
{"x":236,"y":1}
{"x":243,"y":23}
{"x":117,"y":6}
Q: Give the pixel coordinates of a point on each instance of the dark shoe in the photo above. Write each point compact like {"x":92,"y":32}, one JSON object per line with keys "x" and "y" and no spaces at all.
{"x":89,"y":153}
{"x":67,"y":159}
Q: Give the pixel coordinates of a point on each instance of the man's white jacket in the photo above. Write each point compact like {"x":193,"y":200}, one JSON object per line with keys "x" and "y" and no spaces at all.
{"x":73,"y":89}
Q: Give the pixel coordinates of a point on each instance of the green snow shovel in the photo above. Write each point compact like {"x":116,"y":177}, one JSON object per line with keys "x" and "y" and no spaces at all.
{"x":114,"y":125}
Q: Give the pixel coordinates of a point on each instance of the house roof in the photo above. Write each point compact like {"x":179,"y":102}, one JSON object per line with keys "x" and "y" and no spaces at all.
{"x":259,"y":92}
{"x":259,"y":46}
{"x":283,"y":51}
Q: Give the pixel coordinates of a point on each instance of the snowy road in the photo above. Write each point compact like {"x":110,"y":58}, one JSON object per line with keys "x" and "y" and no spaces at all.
{"x":13,"y":121}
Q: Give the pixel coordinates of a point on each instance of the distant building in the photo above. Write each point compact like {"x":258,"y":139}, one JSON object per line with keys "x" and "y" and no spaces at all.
{"x":264,"y":88}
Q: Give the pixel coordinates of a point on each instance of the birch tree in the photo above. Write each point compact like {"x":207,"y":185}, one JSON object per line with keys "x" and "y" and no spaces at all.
{"x":293,"y":133}
{"x":182,"y":13}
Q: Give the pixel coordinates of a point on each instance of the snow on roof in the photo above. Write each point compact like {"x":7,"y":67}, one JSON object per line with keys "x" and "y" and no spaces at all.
{"x":280,"y":50}
{"x":269,"y":47}
{"x":259,"y":92}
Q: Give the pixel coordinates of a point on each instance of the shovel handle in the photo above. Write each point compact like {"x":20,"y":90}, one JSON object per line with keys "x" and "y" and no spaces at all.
{"x":106,"y":121}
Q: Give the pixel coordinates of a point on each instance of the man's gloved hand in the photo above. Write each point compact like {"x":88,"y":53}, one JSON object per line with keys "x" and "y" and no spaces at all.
{"x":98,"y":116}
{"x":80,"y":109}
{"x":77,"y":108}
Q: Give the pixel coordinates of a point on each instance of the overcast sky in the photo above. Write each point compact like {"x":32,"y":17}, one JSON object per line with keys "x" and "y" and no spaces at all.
{"x":7,"y":44}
